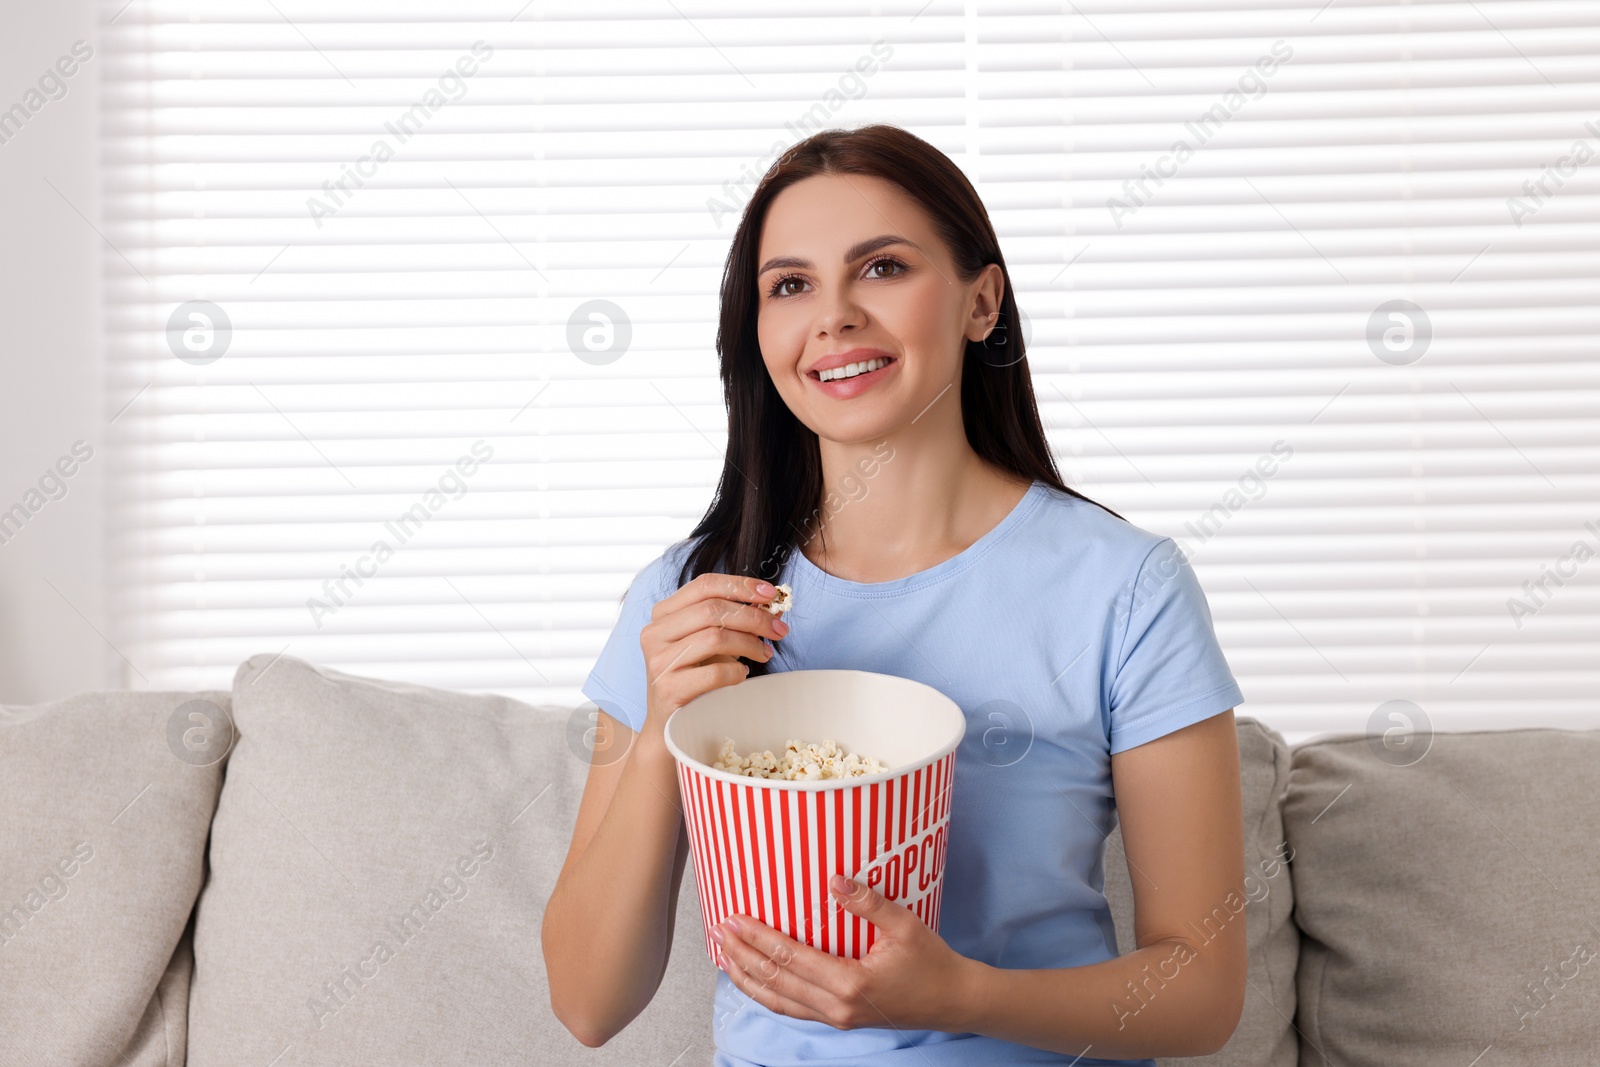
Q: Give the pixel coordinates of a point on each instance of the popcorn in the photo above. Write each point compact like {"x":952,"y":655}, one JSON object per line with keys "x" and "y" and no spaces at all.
{"x":799,"y":763}
{"x":782,"y":602}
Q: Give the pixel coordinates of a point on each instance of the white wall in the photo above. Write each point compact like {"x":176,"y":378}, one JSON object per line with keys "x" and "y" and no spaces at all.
{"x":52,"y":571}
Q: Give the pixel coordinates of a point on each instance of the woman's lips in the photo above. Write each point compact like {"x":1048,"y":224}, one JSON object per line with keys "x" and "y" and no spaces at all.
{"x":845,"y":388}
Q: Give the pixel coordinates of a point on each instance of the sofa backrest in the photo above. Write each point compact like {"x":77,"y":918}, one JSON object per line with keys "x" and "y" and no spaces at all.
{"x":1449,"y":898}
{"x":1419,"y":909}
{"x":105,"y":802}
{"x":379,"y":863}
{"x":1441,"y":896}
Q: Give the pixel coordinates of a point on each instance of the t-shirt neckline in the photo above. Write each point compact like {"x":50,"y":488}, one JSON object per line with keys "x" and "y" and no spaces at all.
{"x":813,"y":575}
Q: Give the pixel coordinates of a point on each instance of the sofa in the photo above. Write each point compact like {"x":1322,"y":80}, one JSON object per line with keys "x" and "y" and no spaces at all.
{"x":319,"y":868}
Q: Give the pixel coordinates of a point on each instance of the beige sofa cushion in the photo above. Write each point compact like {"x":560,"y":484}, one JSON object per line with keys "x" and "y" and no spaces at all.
{"x":380,"y":860}
{"x":1448,"y":907}
{"x":104,"y":811}
{"x":1264,"y":1036}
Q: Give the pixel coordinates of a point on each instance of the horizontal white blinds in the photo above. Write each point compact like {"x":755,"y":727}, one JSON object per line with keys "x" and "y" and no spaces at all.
{"x":1189,"y":311}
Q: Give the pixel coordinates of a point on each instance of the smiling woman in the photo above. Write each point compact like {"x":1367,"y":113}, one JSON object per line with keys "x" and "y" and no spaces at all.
{"x":863,"y":309}
{"x":907,"y":270}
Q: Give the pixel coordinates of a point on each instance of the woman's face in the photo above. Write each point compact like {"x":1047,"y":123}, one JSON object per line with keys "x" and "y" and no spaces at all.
{"x":850,"y":265}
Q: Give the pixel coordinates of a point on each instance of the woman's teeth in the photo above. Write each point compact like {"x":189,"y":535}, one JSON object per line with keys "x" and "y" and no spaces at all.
{"x":850,"y":370}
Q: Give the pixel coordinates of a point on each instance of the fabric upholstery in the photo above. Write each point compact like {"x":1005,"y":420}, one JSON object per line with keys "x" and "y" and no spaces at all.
{"x":1449,"y":904}
{"x":103,"y":822}
{"x":1439,"y":911}
{"x":379,"y":865}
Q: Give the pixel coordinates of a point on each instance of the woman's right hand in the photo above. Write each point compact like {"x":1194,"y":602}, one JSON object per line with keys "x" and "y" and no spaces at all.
{"x":693,"y":637}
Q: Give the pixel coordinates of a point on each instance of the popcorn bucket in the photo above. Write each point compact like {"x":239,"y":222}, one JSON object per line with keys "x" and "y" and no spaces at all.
{"x":767,"y":847}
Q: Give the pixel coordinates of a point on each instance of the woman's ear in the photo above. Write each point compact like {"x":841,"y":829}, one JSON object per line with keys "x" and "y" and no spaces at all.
{"x":988,"y":291}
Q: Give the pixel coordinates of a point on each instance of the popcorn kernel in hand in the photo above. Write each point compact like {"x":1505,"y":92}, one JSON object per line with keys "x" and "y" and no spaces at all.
{"x":782,"y":602}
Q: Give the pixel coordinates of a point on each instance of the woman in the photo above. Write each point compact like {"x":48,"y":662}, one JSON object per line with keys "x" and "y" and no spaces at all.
{"x":915,"y":509}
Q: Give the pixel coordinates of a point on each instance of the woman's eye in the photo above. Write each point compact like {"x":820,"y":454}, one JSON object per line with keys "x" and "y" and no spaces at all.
{"x":777,"y":288}
{"x":875,"y":264}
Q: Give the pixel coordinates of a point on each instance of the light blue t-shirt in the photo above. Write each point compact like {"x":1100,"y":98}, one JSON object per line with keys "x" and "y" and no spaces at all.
{"x":1066,"y":635}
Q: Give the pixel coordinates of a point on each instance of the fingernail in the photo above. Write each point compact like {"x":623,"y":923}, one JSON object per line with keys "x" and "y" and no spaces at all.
{"x":842,"y":884}
{"x":780,"y":627}
{"x":716,"y":934}
{"x":766,"y":588}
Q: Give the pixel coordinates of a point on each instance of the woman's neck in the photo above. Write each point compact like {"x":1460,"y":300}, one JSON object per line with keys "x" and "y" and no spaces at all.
{"x":908,"y":514}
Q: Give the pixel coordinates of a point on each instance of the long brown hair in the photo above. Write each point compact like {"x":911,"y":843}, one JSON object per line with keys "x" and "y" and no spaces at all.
{"x":772,"y":474}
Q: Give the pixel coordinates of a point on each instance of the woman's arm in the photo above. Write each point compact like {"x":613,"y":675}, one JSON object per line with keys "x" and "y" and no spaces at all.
{"x":1179,"y":994}
{"x":608,"y":924}
{"x":607,"y":927}
{"x":1182,"y":991}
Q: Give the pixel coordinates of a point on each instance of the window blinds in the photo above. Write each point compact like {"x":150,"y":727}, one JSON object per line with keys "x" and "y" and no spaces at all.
{"x":1309,"y":287}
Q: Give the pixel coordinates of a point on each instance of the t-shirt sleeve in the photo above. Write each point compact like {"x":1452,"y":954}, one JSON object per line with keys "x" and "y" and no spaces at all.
{"x":617,"y":681}
{"x":1169,"y":669}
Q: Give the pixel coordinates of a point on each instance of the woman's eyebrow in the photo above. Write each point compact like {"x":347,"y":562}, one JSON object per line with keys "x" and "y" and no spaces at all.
{"x":855,"y":252}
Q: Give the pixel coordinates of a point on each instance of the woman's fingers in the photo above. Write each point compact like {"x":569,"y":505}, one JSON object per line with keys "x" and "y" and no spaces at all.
{"x":767,"y":997}
{"x":712,"y":586}
{"x":699,"y":623}
{"x":709,"y":645}
{"x":680,"y":687}
{"x":693,"y":637}
{"x":715,"y":613}
{"x":712,"y":618}
{"x":773,"y":952}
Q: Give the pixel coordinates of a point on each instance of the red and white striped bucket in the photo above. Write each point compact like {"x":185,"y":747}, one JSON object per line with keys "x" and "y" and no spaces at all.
{"x":768,"y":847}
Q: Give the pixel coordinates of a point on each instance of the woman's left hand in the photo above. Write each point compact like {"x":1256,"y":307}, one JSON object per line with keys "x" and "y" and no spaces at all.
{"x":910,"y":979}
